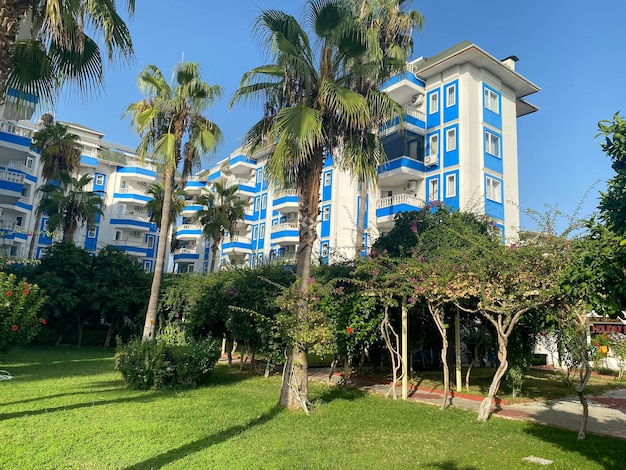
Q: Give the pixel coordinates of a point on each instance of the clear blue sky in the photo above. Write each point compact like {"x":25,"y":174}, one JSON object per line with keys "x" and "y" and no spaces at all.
{"x":572,"y":50}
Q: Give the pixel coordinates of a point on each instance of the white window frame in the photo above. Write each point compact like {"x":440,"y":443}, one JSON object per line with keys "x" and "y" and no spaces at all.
{"x":29,"y":163}
{"x":118,"y":235}
{"x":327,"y":178}
{"x":19,"y":220}
{"x":493,"y":189}
{"x":325,"y":250}
{"x":123,"y":184}
{"x":492,"y":144}
{"x":256,"y":203}
{"x":433,"y":144}
{"x":451,"y":138}
{"x":451,"y":185}
{"x":492,"y":100}
{"x":262,"y":231}
{"x":121,"y":209}
{"x":433,"y":189}
{"x":451,"y":95}
{"x":150,"y":241}
{"x":434,"y":102}
{"x":264,"y":202}
{"x":255,"y":231}
{"x":91,"y":232}
{"x":325,"y":213}
{"x":99,"y":180}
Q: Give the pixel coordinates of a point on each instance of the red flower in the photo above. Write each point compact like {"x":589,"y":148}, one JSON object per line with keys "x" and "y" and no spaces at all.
{"x":597,"y":344}
{"x":14,"y":328}
{"x":26,"y":291}
{"x":43,"y":321}
{"x":349,"y":330}
{"x":9,"y":293}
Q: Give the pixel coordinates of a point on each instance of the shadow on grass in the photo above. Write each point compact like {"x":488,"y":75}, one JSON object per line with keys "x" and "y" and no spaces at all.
{"x":606,"y":451}
{"x":450,"y":465}
{"x":90,"y":404}
{"x":42,"y":371}
{"x":337,"y":392}
{"x":59,"y":395}
{"x":208,"y":441}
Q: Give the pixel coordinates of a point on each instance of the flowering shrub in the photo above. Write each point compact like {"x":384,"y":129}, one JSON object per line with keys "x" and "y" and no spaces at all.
{"x":19,"y":305}
{"x":170,"y":360}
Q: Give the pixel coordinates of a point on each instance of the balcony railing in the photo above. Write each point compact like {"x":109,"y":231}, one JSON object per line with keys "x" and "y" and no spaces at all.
{"x":184,"y":251}
{"x":12,"y":128}
{"x":134,"y":190}
{"x":11,"y":176}
{"x":238,"y":182}
{"x":414,"y":112}
{"x":285,"y":193}
{"x":189,"y":227}
{"x":399,"y":199}
{"x":135,"y":217}
{"x":285,"y":226}
{"x":20,"y":167}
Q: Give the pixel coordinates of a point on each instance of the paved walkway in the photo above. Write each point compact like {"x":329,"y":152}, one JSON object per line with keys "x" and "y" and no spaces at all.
{"x":607,"y":412}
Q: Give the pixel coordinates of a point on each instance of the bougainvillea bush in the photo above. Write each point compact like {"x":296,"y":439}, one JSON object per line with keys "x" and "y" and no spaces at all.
{"x":20,"y":303}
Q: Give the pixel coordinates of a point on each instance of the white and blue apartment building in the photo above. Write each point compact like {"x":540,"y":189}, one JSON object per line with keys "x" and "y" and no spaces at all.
{"x":457,"y":145}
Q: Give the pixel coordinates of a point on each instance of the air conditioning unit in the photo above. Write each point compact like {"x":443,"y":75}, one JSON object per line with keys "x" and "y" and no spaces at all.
{"x":417,"y":100}
{"x":431,"y":160}
{"x":136,"y":234}
{"x":411,"y":185}
{"x":144,"y":184}
{"x":141,"y":209}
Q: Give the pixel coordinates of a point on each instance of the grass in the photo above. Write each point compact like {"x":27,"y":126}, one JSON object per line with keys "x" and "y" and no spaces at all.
{"x":69,"y":409}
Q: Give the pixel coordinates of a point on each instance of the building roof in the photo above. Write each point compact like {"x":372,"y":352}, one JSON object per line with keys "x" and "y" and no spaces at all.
{"x":465,"y":52}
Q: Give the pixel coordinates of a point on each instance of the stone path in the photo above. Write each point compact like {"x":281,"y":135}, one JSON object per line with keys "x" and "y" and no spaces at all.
{"x":607,"y":412}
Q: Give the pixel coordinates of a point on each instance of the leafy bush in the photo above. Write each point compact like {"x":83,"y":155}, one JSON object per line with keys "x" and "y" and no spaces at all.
{"x":170,"y":360}
{"x":19,"y":304}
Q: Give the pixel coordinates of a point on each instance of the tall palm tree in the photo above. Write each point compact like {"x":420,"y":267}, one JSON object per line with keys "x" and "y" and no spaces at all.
{"x":308,"y":107}
{"x":223,"y":210}
{"x":163,"y":119}
{"x":58,"y":48}
{"x":389,"y":25}
{"x":59,"y":151}
{"x":69,"y":205}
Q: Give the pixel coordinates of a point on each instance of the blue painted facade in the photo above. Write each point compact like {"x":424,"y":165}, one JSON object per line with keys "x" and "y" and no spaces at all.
{"x":451,"y":155}
{"x":493,"y":118}
{"x":451,"y":101}
{"x":433,"y":110}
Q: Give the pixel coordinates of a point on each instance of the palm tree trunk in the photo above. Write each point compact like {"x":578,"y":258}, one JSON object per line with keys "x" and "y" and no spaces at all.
{"x":35,"y":237}
{"x":360,"y":221}
{"x":151,"y":314}
{"x":213,"y":257}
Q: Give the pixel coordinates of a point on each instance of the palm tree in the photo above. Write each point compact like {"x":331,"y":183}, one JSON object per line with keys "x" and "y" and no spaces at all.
{"x":223,"y":210}
{"x":59,"y":151}
{"x":308,"y":107}
{"x":69,"y":205}
{"x":389,"y":26}
{"x":58,"y":48}
{"x":155,"y":205}
{"x":167,"y":115}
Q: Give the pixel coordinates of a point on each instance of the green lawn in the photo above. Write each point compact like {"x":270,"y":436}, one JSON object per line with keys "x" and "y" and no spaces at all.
{"x":69,"y":409}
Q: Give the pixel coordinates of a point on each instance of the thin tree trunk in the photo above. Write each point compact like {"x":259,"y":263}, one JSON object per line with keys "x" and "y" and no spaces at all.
{"x":437,"y":314}
{"x":35,"y":237}
{"x":387,"y":331}
{"x":81,"y":327}
{"x":485,"y":406}
{"x":151,"y":314}
{"x":475,"y":360}
{"x":585,"y":374}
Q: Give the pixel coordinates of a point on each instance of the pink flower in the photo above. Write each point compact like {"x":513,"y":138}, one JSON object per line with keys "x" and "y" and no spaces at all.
{"x":43,"y":321}
{"x":14,"y":328}
{"x":9,"y":293}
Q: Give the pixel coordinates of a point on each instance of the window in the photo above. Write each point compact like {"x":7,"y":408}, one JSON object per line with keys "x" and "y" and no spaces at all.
{"x":46,"y":226}
{"x":384,"y":194}
{"x":25,"y":191}
{"x":123,"y":184}
{"x":19,"y":220}
{"x":451,"y":185}
{"x":264,"y":202}
{"x":150,"y":241}
{"x":190,"y":268}
{"x":29,"y":162}
{"x":324,"y":252}
{"x":258,"y":175}
{"x":492,"y":144}
{"x":492,"y":101}
{"x":326,"y":213}
{"x":434,"y":102}
{"x":433,"y":193}
{"x":121,"y":209}
{"x":255,"y":231}
{"x":262,"y":231}
{"x":118,"y":235}
{"x":433,"y":144}
{"x":91,"y":233}
{"x":327,"y":178}
{"x":451,"y":139}
{"x":494,"y":189}
{"x":451,"y":96}
{"x":99,"y":180}
{"x":256,"y":204}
